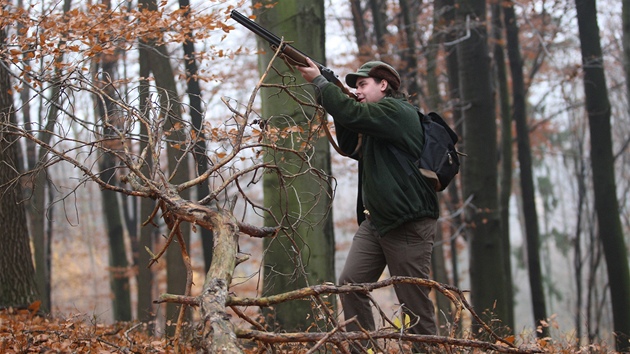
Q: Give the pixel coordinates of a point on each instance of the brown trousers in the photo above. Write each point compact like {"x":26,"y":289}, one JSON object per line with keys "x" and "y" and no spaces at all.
{"x":406,"y":251}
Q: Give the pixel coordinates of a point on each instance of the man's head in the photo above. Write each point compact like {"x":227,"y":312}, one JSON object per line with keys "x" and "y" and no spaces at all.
{"x":378,"y":70}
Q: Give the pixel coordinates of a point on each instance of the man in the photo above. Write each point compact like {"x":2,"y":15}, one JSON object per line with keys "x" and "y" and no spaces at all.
{"x":400,"y":210}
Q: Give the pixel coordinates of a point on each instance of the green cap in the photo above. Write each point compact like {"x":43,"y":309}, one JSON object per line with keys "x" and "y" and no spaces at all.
{"x":378,"y":70}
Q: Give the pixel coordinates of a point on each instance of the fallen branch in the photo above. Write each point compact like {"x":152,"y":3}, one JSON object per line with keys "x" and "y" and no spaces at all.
{"x":394,"y":334}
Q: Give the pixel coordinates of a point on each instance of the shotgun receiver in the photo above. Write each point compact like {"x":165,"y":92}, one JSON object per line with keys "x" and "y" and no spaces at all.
{"x":292,"y":55}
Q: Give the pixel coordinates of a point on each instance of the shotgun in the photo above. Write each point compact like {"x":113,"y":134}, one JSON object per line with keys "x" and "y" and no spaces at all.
{"x":292,"y":55}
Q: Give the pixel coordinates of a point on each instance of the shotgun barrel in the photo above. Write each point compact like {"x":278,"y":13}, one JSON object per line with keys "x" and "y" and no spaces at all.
{"x":293,"y":55}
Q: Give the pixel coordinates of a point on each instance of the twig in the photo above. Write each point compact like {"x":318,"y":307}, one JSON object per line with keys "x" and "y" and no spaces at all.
{"x":330,"y":334}
{"x":168,"y":242}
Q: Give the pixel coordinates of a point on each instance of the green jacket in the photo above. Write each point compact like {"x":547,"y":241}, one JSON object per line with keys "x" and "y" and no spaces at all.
{"x":390,"y":195}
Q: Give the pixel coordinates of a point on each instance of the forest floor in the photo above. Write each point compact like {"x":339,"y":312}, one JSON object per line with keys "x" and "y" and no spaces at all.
{"x":26,"y":331}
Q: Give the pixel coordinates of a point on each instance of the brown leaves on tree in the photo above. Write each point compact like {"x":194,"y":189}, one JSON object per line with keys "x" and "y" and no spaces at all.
{"x":92,"y":30}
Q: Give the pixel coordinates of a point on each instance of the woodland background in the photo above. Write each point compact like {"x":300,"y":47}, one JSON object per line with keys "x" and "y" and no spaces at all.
{"x":542,"y":247}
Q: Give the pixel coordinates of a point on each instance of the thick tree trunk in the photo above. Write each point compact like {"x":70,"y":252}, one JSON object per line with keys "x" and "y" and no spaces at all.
{"x":17,"y":274}
{"x":305,"y":254}
{"x":487,"y":270}
{"x":602,"y":163}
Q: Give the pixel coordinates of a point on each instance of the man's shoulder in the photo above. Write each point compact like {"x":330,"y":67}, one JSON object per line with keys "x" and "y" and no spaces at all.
{"x":402,"y":106}
{"x":399,"y":102}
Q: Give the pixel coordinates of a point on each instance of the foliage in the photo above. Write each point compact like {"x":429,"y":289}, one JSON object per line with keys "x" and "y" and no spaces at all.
{"x":23,"y":330}
{"x":94,"y":29}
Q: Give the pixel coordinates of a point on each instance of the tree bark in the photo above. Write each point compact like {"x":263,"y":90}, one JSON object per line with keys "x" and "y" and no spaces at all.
{"x":305,"y":253}
{"x":528,"y":192}
{"x":217,"y":329}
{"x":602,"y":162}
{"x":145,"y":309}
{"x":17,"y":274}
{"x":487,"y":270}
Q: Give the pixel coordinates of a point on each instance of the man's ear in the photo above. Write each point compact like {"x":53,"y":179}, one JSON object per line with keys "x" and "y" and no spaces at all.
{"x":383,"y":85}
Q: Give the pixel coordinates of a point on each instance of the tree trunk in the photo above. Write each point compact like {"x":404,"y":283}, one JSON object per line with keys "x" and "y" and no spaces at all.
{"x":409,"y":71}
{"x":217,"y":329}
{"x":487,"y":270}
{"x":434,"y":103}
{"x":17,"y":274}
{"x":505,"y":183}
{"x":453,"y":199}
{"x":580,"y":165}
{"x":602,"y":163}
{"x":379,"y":18}
{"x":145,"y":309}
{"x":118,"y":264}
{"x":360,"y":31}
{"x":438,"y":265}
{"x":37,"y":189}
{"x":528,"y":192}
{"x":196,"y":116}
{"x":160,"y":66}
{"x":305,"y":253}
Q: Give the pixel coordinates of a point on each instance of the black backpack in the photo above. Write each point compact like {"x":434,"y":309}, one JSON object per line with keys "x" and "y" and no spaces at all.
{"x":439,"y":161}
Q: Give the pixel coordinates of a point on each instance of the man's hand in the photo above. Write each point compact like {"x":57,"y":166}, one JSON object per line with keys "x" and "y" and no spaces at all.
{"x":310,"y":72}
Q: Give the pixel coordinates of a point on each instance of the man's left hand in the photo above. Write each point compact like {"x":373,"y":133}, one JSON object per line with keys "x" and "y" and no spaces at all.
{"x":310,"y":72}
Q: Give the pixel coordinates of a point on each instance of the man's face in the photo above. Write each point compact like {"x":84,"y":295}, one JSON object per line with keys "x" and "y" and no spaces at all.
{"x":370,"y":89}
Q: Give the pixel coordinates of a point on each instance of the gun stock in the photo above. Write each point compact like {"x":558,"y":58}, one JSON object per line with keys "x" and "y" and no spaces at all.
{"x":292,"y":55}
